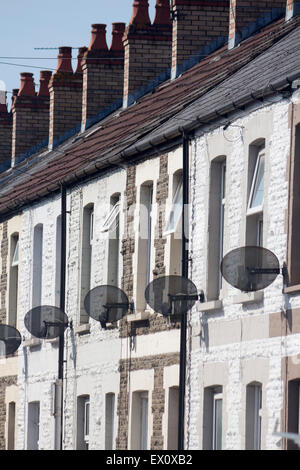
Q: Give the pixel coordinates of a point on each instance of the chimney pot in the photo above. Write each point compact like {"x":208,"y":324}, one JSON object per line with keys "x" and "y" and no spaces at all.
{"x":45,"y":76}
{"x":98,"y":39}
{"x":162,"y":15}
{"x":27,"y":85}
{"x":64,"y":63}
{"x":118,"y":30}
{"x":140,"y":13}
{"x":81,"y":52}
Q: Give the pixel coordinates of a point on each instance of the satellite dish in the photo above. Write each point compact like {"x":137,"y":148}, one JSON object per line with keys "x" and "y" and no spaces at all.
{"x":171,"y":295}
{"x":46,"y":322}
{"x":10,"y":340}
{"x":106,"y":304}
{"x":250,"y":268}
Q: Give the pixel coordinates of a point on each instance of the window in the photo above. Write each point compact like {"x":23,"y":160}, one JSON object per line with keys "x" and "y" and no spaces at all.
{"x":37,"y":274}
{"x":112,"y":226}
{"x":173,"y":227}
{"x":13,"y":280}
{"x":139,"y":423}
{"x":33,"y":427}
{"x":86,"y":257}
{"x":216,"y":221}
{"x":144,"y":244}
{"x":212,"y":418}
{"x":11,"y":425}
{"x":176,"y":210}
{"x":58,"y":262}
{"x":83,"y":422}
{"x":109,"y":420}
{"x":253,"y":416}
{"x":173,"y":418}
{"x":293,"y":411}
{"x":254,"y":230}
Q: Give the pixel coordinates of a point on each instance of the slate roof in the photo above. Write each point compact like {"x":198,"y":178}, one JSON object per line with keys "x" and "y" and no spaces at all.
{"x":198,"y":96}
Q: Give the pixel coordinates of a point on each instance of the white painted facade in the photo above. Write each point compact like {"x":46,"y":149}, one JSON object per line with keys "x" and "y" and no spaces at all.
{"x":230,"y":343}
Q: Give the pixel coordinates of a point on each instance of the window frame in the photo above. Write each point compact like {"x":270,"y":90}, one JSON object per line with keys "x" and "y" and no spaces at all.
{"x":111,"y":217}
{"x":86,"y":421}
{"x":257,"y":209}
{"x":217,"y":396}
{"x":167,"y":230}
{"x":16,"y":250}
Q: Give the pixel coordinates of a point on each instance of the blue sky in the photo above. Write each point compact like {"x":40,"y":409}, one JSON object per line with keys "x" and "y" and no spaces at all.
{"x":28,"y":24}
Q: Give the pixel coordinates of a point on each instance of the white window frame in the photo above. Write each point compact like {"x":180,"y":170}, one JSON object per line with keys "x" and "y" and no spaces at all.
{"x":257,"y":416}
{"x":86,"y":421}
{"x":91,"y":226}
{"x":15,"y":262}
{"x":257,"y":209}
{"x":216,"y":396}
{"x":144,"y":403}
{"x":222,"y":217}
{"x":169,"y":230}
{"x":149,"y":238}
{"x":110,"y":219}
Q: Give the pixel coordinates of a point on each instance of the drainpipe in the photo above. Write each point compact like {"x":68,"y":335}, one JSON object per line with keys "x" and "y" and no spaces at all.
{"x":184,"y":273}
{"x":59,"y":387}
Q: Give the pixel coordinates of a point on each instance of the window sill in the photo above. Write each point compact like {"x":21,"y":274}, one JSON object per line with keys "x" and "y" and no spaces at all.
{"x":209,"y":306}
{"x":32,"y":343}
{"x":292,"y":289}
{"x":248,"y":297}
{"x":139,"y":316}
{"x":82,"y":329}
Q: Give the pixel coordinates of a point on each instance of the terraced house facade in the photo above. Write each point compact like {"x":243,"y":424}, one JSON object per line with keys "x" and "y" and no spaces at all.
{"x":92,"y":192}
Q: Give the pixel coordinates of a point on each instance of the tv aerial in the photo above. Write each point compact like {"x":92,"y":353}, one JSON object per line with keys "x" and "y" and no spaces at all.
{"x":10,"y":340}
{"x":251,"y":268}
{"x":172,"y":295}
{"x":107,"y":304}
{"x":46,"y":322}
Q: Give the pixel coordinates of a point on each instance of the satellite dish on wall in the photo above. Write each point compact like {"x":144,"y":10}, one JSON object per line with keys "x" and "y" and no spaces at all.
{"x":46,"y":322}
{"x":171,"y":295}
{"x":106,"y":304}
{"x":10,"y":340}
{"x":250,"y":268}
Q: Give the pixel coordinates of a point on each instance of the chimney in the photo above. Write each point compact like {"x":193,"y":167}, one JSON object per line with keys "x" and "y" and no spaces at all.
{"x":103,"y":71}
{"x":65,"y":89}
{"x":147,"y":46}
{"x":292,"y":9}
{"x":244,"y":13}
{"x":5,"y":134}
{"x":197,"y":24}
{"x":30,"y":112}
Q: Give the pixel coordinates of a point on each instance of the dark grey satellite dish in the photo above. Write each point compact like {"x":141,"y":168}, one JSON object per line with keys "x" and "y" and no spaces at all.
{"x":171,"y":295}
{"x":250,"y":268}
{"x":46,"y":322}
{"x":106,"y":304}
{"x":10,"y":340}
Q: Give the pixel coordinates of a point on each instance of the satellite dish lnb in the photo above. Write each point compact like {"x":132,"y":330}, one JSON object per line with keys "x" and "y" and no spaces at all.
{"x":250,"y":268}
{"x":171,"y":295}
{"x":46,"y":322}
{"x":106,"y":304}
{"x":10,"y":340}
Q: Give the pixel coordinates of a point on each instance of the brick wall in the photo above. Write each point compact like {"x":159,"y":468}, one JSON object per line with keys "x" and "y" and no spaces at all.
{"x":5,"y":137}
{"x":3,"y":274}
{"x":196,"y":24}
{"x":4,"y":382}
{"x":156,"y":362}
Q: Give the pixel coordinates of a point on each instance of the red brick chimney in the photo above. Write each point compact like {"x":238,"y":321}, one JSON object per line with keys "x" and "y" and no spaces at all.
{"x":65,"y":89}
{"x":292,"y":9}
{"x":147,"y":46}
{"x":196,"y":24}
{"x":5,"y":134}
{"x":242,"y":13}
{"x":30,"y":112}
{"x":103,"y":71}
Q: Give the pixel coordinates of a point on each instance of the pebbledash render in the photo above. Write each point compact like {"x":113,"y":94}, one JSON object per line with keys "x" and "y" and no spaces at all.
{"x":224,"y":79}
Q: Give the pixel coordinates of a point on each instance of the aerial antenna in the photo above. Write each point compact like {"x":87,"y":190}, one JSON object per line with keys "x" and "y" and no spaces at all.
{"x":251,"y":268}
{"x":10,"y":340}
{"x":46,"y":322}
{"x":107,"y":304}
